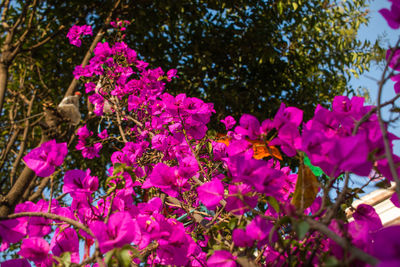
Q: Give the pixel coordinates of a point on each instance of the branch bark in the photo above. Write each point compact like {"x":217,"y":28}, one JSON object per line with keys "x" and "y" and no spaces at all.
{"x":10,"y":48}
{"x":23,"y":141}
{"x":18,"y":189}
{"x":3,"y":82}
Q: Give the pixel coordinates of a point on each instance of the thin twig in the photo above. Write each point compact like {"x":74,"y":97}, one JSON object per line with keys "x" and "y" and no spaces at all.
{"x":10,"y":143}
{"x":341,"y":197}
{"x":44,"y":41}
{"x":51,"y":192}
{"x":110,"y":207}
{"x":119,"y":120}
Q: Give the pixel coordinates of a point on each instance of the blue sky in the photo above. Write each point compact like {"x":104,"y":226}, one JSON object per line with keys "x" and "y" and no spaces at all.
{"x":376,"y":28}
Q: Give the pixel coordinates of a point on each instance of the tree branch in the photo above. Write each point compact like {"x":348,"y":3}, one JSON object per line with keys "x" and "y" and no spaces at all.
{"x":6,"y":5}
{"x":10,"y":143}
{"x":40,"y":189}
{"x":44,"y":41}
{"x":23,"y":141}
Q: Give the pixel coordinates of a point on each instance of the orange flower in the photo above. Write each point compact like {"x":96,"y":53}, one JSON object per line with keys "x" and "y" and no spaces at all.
{"x":261,"y":148}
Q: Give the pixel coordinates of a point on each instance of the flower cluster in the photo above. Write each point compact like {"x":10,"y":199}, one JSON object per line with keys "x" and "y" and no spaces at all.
{"x":76,"y":32}
{"x":88,"y":151}
{"x":177,"y":194}
{"x":336,"y":142}
{"x":120,"y":24}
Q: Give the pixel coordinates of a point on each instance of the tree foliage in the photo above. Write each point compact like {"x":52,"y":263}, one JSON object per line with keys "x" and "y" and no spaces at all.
{"x":248,"y":56}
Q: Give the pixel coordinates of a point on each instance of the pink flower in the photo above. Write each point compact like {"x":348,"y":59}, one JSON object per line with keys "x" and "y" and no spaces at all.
{"x":171,"y":73}
{"x":12,"y":231}
{"x":248,"y":126}
{"x":43,"y":160}
{"x":37,"y":226}
{"x":103,"y":134}
{"x":241,"y":238}
{"x":394,"y":57}
{"x":396,"y":78}
{"x":392,"y":16}
{"x":229,"y":122}
{"x":92,"y":152}
{"x":167,"y":179}
{"x":221,"y":258}
{"x":35,"y":249}
{"x":174,"y":242}
{"x":386,"y":246}
{"x":211,"y":193}
{"x":76,"y":32}
{"x":84,"y":132}
{"x":287,"y":115}
{"x":259,"y":229}
{"x":79,"y":182}
{"x":120,"y":230}
{"x":88,"y":151}
{"x":65,"y":241}
{"x":367,"y":214}
{"x":16,"y":263}
{"x":395,"y":200}
{"x":238,"y":200}
{"x":90,"y":87}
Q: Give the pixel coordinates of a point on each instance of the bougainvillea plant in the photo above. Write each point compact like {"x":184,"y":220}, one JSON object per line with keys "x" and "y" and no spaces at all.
{"x":177,"y":193}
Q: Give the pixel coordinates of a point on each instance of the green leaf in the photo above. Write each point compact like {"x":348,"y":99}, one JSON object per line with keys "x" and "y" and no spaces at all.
{"x":66,"y":259}
{"x":209,"y":147}
{"x":113,"y":178}
{"x":273,"y":203}
{"x":307,"y":187}
{"x":331,"y":262}
{"x":134,"y":252}
{"x":280,"y":8}
{"x":343,"y":206}
{"x":118,"y":167}
{"x":124,"y":257}
{"x":232,"y":223}
{"x":108,"y":257}
{"x":316,"y":170}
{"x":302,"y":229}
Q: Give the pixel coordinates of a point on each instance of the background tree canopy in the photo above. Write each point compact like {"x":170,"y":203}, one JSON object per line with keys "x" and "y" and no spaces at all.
{"x":250,"y":56}
{"x":244,"y":56}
